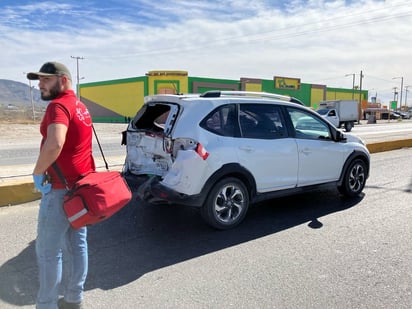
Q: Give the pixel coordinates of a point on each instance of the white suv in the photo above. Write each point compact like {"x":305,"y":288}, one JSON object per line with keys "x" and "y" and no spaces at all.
{"x":224,"y":150}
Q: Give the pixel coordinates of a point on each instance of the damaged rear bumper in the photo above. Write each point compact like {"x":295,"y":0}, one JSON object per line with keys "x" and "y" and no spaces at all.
{"x":154,"y":192}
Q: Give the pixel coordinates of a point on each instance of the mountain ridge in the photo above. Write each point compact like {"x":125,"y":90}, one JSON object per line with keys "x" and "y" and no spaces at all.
{"x":13,"y":93}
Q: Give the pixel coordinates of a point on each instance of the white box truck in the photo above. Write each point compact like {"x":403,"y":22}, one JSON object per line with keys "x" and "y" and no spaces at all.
{"x":340,"y":112}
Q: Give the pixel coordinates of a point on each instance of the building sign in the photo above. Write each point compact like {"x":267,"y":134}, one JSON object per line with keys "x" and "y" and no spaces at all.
{"x":287,"y":83}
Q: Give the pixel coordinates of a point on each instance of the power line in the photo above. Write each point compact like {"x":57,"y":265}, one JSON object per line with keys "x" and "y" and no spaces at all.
{"x":278,"y":34}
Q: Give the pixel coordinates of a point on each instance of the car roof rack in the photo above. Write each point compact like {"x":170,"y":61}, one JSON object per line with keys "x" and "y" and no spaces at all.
{"x":220,"y":93}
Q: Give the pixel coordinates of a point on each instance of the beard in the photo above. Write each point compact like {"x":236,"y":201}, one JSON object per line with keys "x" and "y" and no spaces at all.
{"x":54,"y":92}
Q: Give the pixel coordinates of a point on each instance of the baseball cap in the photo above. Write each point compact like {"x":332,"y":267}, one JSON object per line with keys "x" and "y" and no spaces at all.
{"x":50,"y":69}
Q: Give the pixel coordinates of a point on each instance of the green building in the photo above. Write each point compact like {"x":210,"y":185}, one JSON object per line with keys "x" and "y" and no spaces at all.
{"x":118,"y":100}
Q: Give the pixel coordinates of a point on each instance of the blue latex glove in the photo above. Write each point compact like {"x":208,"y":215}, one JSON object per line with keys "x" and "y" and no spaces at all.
{"x":40,"y":185}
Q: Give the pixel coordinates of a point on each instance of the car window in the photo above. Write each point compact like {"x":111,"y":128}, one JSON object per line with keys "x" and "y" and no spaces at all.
{"x":308,"y":126}
{"x":222,"y":121}
{"x":152,"y":117}
{"x":262,"y":121}
{"x":157,"y":118}
{"x":161,"y":120}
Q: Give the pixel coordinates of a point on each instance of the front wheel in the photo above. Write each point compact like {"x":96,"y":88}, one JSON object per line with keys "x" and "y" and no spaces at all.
{"x":354,"y":179}
{"x":227,"y":204}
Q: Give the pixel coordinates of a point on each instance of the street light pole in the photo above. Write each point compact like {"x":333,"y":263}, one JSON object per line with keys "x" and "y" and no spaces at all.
{"x":373,"y":95}
{"x":78,"y":78}
{"x":353,"y":84}
{"x":31,"y":98}
{"x":400,"y":99}
{"x":395,"y":93}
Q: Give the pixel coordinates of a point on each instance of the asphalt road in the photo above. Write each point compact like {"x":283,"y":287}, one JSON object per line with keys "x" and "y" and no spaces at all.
{"x":19,"y":163}
{"x":315,"y":250}
{"x":19,"y":147}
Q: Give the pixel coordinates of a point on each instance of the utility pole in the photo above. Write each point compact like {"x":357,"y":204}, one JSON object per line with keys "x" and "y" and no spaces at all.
{"x":395,"y":93}
{"x":31,"y":97}
{"x":400,"y":99}
{"x":360,"y":95}
{"x":78,"y":77}
{"x":31,"y":100}
{"x":406,"y":97}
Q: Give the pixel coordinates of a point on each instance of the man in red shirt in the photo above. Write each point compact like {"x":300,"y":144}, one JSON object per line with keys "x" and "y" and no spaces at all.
{"x":66,"y":131}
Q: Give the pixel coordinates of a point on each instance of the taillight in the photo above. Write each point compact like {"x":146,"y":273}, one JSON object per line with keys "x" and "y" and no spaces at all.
{"x":201,"y":151}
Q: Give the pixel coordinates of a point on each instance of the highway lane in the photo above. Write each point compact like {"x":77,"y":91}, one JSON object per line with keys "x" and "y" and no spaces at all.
{"x":25,"y":155}
{"x":384,"y":130}
{"x":19,"y":147}
{"x":19,"y":154}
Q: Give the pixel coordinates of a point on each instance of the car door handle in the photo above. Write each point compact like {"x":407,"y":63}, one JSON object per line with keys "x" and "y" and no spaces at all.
{"x":306,"y":151}
{"x":246,"y":148}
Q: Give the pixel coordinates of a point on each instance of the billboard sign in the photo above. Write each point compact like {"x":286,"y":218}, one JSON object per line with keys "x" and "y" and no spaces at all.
{"x":287,"y":83}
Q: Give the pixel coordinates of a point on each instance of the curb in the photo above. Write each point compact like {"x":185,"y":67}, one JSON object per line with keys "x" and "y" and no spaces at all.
{"x":18,"y":192}
{"x":389,"y":145}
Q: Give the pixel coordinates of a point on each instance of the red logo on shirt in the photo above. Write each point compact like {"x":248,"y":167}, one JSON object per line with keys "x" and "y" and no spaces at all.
{"x":83,"y":114}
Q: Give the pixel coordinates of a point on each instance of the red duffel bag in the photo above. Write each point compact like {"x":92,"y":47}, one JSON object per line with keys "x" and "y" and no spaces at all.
{"x":96,"y":197}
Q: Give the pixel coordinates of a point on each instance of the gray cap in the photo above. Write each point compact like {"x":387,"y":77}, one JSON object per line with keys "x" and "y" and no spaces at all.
{"x":50,"y":69}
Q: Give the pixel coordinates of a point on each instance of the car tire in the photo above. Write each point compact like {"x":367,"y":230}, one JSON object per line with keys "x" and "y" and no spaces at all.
{"x":354,"y":179}
{"x":227,"y":204}
{"x":348,"y":126}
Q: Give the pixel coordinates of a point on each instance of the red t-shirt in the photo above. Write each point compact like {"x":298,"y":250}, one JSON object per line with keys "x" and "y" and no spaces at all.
{"x":76,"y":157}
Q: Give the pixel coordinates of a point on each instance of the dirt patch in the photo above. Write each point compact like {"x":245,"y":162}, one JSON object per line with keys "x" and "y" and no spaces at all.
{"x":19,"y":134}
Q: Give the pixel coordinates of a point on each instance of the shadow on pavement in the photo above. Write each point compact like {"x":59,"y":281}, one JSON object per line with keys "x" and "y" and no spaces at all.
{"x":143,"y":238}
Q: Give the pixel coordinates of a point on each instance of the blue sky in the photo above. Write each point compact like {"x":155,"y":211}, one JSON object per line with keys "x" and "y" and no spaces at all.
{"x":318,"y":41}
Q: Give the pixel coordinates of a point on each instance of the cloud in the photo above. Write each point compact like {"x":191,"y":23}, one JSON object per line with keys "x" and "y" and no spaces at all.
{"x":319,"y":41}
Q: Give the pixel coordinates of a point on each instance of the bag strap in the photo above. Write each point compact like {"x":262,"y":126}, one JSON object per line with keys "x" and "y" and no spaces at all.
{"x":100,"y":147}
{"x":59,"y":171}
{"x":60,"y":174}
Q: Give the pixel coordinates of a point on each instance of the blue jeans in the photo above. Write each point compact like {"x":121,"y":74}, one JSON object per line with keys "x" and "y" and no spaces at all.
{"x":61,"y":252}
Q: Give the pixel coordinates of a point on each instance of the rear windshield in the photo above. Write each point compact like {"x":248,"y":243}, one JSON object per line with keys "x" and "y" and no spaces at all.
{"x":152,"y":117}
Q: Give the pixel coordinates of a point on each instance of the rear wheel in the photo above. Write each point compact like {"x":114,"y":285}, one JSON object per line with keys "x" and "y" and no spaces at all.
{"x":348,"y":126}
{"x":354,"y":179}
{"x":227,"y":204}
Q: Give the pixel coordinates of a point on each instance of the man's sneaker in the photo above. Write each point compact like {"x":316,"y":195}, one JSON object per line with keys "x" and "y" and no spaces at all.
{"x":62,"y":304}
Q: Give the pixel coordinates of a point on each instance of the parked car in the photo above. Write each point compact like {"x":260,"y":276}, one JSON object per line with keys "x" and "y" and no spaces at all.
{"x":403,"y":115}
{"x":393,"y":115}
{"x":223,"y":151}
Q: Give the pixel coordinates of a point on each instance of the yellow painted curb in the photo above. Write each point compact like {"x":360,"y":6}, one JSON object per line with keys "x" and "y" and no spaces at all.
{"x":389,"y":145}
{"x":18,"y":193}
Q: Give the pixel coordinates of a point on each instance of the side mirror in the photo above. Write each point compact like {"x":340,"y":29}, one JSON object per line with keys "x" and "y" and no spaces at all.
{"x":340,"y":136}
